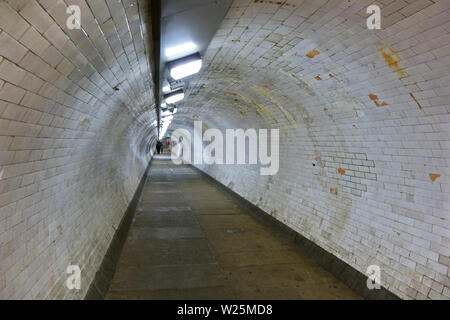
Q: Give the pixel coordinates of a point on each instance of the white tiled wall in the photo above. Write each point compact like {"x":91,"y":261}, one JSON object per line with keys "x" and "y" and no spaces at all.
{"x":72,"y":151}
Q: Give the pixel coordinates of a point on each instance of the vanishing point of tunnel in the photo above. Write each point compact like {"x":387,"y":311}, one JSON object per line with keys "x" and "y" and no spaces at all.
{"x":225,"y":150}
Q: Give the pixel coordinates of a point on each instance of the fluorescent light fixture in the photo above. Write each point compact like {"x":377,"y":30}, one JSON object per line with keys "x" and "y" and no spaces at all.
{"x":166,"y":88}
{"x":185,"y":67}
{"x":174,"y":97}
{"x":182,"y":48}
{"x":169,"y":113}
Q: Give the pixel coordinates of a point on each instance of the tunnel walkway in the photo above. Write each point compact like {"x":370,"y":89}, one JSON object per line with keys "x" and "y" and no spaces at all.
{"x":190,"y":240}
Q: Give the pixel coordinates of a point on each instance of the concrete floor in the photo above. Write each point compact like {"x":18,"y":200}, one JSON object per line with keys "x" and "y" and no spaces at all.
{"x":189,"y":240}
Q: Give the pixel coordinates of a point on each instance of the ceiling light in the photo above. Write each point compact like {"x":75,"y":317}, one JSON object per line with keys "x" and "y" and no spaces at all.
{"x":169,"y":112}
{"x":185,"y":67}
{"x":174,"y":97}
{"x":167,"y":119}
{"x":183,"y":48}
{"x":166,"y":88}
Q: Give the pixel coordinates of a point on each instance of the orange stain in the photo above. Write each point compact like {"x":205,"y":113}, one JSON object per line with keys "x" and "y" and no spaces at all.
{"x":242,"y":114}
{"x":312,"y":53}
{"x":318,"y":78}
{"x":334,"y":191}
{"x":392,"y":63}
{"x":375,"y":99}
{"x":341,"y":171}
{"x":383,"y":104}
{"x":434,"y":176}
{"x":416,"y":101}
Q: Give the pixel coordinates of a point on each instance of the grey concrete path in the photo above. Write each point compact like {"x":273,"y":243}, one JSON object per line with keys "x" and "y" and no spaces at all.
{"x":190,"y":240}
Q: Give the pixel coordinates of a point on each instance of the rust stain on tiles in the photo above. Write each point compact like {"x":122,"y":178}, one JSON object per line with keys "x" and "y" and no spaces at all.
{"x":266,"y":113}
{"x":320,"y":162}
{"x":434,"y":176}
{"x":341,"y":171}
{"x":375,"y":99}
{"x":286,"y":113}
{"x":85,"y":122}
{"x":261,"y":109}
{"x":334,"y":191}
{"x":391,"y":62}
{"x":302,"y":83}
{"x":318,"y":78}
{"x":414,"y":98}
{"x":312,"y":53}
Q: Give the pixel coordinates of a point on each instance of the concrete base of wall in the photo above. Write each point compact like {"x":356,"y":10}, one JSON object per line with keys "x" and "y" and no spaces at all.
{"x":341,"y":270}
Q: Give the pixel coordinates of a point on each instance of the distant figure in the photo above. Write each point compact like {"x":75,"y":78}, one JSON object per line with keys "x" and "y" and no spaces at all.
{"x":159,"y":147}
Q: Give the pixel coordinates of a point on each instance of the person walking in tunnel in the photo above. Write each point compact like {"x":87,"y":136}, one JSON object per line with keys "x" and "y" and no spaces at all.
{"x":158,"y":147}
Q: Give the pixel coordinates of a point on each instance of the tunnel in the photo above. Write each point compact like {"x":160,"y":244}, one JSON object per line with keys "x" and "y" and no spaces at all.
{"x":306,"y":157}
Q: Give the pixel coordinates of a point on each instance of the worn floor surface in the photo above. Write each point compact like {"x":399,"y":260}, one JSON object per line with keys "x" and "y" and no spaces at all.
{"x":190,"y":240}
